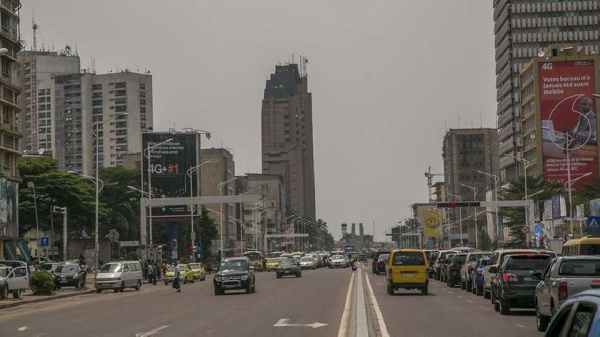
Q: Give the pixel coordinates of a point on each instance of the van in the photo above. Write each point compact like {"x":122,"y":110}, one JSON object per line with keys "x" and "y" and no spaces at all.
{"x":407,"y":269}
{"x":118,"y":276}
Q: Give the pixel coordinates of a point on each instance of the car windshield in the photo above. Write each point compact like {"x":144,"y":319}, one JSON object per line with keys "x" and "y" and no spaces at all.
{"x":383,"y":257}
{"x":67,"y":268}
{"x":109,"y":268}
{"x":233,"y":265}
{"x":580,"y":268}
{"x":287,"y":263}
{"x":587,"y":249}
{"x":306,"y":259}
{"x":460,"y":259}
{"x":408,"y":259}
{"x":532,"y":262}
{"x":194,"y":265}
{"x":45,"y":266}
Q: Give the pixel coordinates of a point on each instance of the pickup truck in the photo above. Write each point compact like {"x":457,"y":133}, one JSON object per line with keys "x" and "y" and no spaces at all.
{"x":564,"y":277}
{"x":13,"y":280}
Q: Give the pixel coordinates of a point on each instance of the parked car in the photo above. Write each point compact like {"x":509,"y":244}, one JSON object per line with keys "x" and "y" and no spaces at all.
{"x":453,"y":269}
{"x":564,"y":277}
{"x":443,"y":265}
{"x":517,"y":278}
{"x":495,"y":260}
{"x":466,"y":271}
{"x":376,"y":258}
{"x":118,"y":276}
{"x":407,"y":269}
{"x":49,"y":266}
{"x":439,"y":262}
{"x":288,"y":267}
{"x":477,"y":276}
{"x":234,"y":273}
{"x":380,"y":264}
{"x":13,"y":280}
{"x":578,"y":316}
{"x":433,"y":256}
{"x":69,"y":274}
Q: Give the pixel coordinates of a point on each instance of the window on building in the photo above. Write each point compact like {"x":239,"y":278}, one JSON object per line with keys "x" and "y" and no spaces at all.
{"x":97,"y":87}
{"x":142,"y":86}
{"x":120,"y":85}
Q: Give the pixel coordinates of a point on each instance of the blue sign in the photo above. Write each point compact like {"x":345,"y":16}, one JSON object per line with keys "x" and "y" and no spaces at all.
{"x":45,"y":241}
{"x":593,"y":222}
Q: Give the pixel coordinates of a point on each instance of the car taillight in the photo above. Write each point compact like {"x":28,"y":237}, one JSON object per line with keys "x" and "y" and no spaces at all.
{"x":508,"y":277}
{"x":446,"y":264}
{"x":380,"y":263}
{"x":562,"y":291}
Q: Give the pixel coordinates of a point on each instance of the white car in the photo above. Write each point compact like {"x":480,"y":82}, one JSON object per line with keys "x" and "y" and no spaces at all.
{"x":13,"y":280}
{"x":338,"y":261}
{"x":308,"y":262}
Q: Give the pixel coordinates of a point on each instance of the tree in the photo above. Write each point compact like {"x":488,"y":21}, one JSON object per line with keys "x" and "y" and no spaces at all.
{"x":53,"y":188}
{"x":514,"y":217}
{"x":207,"y":231}
{"x":122,"y":204}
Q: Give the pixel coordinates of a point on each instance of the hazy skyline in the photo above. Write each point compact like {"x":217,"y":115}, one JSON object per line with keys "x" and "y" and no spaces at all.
{"x":387,"y":79}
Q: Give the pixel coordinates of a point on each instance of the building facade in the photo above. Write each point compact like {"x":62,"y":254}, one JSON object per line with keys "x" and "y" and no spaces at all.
{"x":37,"y":109}
{"x":116,"y":106}
{"x":524,"y":28}
{"x":10,"y":130}
{"x":466,"y":154}
{"x":212,"y":183}
{"x":287,"y":136}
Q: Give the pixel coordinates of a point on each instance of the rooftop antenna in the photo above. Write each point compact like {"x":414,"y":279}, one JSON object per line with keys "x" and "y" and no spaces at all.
{"x":35,"y":27}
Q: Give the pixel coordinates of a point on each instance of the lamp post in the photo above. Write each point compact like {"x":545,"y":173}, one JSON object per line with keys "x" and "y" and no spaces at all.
{"x":525,"y":163}
{"x":570,"y":187}
{"x":97,"y":182}
{"x":474,"y":189}
{"x":144,"y":195}
{"x":148,"y":154}
{"x":459,"y":219}
{"x":31,"y":184}
{"x":189,"y":174}
{"x":220,"y":187}
{"x":496,"y":179}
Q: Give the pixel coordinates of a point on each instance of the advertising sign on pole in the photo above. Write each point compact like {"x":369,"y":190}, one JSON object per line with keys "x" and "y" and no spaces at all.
{"x":431,"y":221}
{"x":568,"y":119}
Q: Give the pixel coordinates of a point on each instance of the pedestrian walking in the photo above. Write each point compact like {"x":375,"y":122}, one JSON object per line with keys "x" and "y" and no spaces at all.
{"x":149,"y":271}
{"x":154,"y":273}
{"x":176,"y":284}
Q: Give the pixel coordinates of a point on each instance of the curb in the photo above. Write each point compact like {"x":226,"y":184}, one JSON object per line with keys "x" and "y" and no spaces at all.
{"x":45,"y":299}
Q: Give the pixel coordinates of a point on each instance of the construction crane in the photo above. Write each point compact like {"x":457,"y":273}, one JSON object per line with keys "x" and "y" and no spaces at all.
{"x":429,"y":177}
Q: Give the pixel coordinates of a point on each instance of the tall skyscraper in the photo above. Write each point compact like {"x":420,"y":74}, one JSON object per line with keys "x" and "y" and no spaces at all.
{"x":10,"y":132}
{"x":287,"y":135}
{"x":524,"y":28}
{"x":36,"y":80}
{"x":78,"y":101}
{"x":467,"y":153}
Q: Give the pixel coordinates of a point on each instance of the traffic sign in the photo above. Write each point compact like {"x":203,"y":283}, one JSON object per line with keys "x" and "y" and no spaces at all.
{"x":593,"y":221}
{"x":525,"y":229}
{"x":45,"y":241}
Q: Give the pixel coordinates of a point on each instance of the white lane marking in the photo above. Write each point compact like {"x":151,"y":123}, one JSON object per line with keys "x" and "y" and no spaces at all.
{"x":284,"y":322}
{"x":483,"y":308}
{"x":459,"y":296}
{"x":451,"y":292}
{"x":152,"y":332}
{"x":362,"y":329}
{"x":469,"y":301}
{"x":23,"y":328}
{"x":344,"y":323}
{"x":520,"y":326}
{"x":380,"y":321}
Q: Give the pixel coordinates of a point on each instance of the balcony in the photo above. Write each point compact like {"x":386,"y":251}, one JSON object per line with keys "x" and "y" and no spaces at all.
{"x":505,"y":118}
{"x":10,"y":6}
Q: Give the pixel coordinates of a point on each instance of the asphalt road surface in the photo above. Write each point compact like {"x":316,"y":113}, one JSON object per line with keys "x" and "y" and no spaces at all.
{"x":323,"y":302}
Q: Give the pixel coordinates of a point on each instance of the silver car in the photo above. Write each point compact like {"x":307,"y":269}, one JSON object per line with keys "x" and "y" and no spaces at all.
{"x":466,"y":270}
{"x":564,"y":277}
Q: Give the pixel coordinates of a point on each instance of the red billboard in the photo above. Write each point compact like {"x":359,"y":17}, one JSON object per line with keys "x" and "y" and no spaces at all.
{"x":568,"y":119}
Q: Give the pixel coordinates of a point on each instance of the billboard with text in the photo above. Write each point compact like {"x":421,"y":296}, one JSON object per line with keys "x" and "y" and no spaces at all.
{"x":568,"y":119}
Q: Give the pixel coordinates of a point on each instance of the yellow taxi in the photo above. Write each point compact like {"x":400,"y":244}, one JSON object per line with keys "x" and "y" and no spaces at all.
{"x":273,"y":263}
{"x":198,"y":271}
{"x":186,"y":274}
{"x":407,"y":269}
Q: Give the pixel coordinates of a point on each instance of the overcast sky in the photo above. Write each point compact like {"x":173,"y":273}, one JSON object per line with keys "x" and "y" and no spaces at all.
{"x":388,"y":78}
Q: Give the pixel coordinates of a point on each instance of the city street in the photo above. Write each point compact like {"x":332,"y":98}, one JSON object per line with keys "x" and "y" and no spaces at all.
{"x":312,"y":305}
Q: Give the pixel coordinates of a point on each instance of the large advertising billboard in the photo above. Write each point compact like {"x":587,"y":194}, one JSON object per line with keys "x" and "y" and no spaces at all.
{"x":568,"y":117}
{"x":169,"y":163}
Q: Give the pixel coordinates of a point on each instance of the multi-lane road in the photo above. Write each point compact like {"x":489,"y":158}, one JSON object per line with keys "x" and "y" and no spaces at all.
{"x":323,"y":302}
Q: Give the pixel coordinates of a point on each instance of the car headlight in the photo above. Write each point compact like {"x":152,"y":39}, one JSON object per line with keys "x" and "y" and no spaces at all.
{"x":217,"y":278}
{"x":244,"y":277}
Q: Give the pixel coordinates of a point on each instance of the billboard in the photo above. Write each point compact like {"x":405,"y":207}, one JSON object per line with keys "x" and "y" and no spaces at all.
{"x":169,"y":163}
{"x":432,"y":223}
{"x":568,"y":119}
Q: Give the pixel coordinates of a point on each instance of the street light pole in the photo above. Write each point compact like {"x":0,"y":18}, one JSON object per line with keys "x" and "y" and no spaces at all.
{"x":148,"y":153}
{"x":189,"y":174}
{"x":474,"y":189}
{"x":31,"y":184}
{"x":97,"y":182}
{"x":525,"y":163}
{"x":496,"y":179}
{"x":220,"y":187}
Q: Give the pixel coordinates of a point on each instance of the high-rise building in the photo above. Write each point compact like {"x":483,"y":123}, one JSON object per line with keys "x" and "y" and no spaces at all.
{"x":467,"y":153}
{"x":287,"y":136}
{"x":212,"y":183}
{"x":82,"y":104}
{"x":36,"y":80}
{"x":10,"y":132}
{"x":524,"y":28}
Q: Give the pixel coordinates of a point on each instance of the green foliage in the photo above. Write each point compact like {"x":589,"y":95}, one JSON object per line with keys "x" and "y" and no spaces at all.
{"x":42,"y":282}
{"x":514,"y":217}
{"x":207,"y":231}
{"x":122,"y":204}
{"x":485,"y":243}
